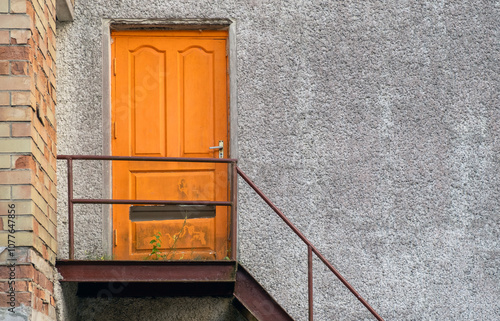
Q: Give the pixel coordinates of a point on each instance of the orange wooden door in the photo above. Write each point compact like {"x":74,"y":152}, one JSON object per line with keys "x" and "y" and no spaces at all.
{"x":170,"y":100}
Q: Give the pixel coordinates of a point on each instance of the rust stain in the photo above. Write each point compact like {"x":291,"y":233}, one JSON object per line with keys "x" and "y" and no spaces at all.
{"x":190,"y":231}
{"x":183,"y":187}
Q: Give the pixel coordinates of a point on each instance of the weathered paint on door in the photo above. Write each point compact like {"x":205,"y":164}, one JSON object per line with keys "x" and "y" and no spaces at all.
{"x":169,"y":93}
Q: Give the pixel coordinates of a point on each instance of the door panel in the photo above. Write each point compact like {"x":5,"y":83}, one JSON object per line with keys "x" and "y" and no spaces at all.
{"x":174,"y":185}
{"x":148,"y":99}
{"x":197,"y":237}
{"x":196,"y":90}
{"x":170,"y":99}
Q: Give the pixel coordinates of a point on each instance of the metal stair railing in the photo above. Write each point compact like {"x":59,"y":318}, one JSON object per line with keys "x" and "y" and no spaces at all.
{"x":235,"y":172}
{"x":310,"y":250}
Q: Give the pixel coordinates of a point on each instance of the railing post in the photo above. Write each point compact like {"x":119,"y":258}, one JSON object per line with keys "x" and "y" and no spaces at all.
{"x":234,"y":204}
{"x":310,"y":281}
{"x":70,"y":210}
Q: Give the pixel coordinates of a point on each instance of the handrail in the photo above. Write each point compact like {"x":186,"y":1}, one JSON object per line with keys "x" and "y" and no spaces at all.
{"x":149,"y":159}
{"x":147,"y":202}
{"x":310,"y":250}
{"x":72,"y":201}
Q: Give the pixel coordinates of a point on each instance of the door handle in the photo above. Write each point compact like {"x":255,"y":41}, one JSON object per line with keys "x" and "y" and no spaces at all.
{"x":220,"y":148}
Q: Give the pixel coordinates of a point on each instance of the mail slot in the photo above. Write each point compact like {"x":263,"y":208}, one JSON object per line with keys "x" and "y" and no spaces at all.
{"x":170,"y":212}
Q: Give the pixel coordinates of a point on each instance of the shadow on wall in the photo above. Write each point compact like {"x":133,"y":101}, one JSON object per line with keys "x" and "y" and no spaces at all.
{"x":107,"y":307}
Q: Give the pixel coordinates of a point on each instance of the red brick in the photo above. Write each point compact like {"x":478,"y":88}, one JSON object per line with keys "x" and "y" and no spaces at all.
{"x":25,"y":162}
{"x":4,"y":36}
{"x":21,"y":297}
{"x":40,"y":293}
{"x":41,"y":82}
{"x":45,"y":283}
{"x":50,"y":286}
{"x":4,"y":98}
{"x":35,"y":226}
{"x":22,"y":98}
{"x":4,"y":67}
{"x":19,"y":67}
{"x":41,"y":306}
{"x":22,"y":272}
{"x":20,"y":37}
{"x":14,"y":53}
{"x":20,"y":286}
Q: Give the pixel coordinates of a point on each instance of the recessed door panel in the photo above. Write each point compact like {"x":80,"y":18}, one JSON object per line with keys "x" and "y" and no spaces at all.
{"x":174,"y":185}
{"x":197,"y":88}
{"x":177,"y":235}
{"x":148,"y":101}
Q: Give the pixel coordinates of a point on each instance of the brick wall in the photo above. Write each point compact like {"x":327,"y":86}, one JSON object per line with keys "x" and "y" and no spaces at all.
{"x":27,"y":157}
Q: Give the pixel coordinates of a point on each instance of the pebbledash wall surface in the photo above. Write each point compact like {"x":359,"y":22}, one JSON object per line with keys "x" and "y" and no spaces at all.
{"x":374,"y":125}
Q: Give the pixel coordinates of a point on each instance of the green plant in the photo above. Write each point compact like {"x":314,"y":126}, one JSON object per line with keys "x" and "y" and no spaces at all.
{"x":155,"y":251}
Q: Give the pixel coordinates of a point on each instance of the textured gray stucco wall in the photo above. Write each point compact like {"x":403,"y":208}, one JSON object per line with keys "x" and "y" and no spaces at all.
{"x":374,"y":125}
{"x":158,"y":309}
{"x":155,"y":309}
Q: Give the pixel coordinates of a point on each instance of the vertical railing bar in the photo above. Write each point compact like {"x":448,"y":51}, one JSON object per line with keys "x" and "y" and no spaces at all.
{"x":70,"y":210}
{"x":310,"y":281}
{"x":229,"y":215}
{"x":234,"y":204}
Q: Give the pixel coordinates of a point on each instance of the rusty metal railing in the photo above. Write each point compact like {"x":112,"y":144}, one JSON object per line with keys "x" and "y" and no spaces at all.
{"x":72,"y":201}
{"x":235,"y":172}
{"x":310,"y":250}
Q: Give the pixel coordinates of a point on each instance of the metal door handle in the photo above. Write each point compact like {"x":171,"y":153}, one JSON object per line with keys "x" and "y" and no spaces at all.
{"x":220,"y":148}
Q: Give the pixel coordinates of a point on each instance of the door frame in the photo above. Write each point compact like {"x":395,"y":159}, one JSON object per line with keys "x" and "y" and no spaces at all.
{"x":158,"y":24}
